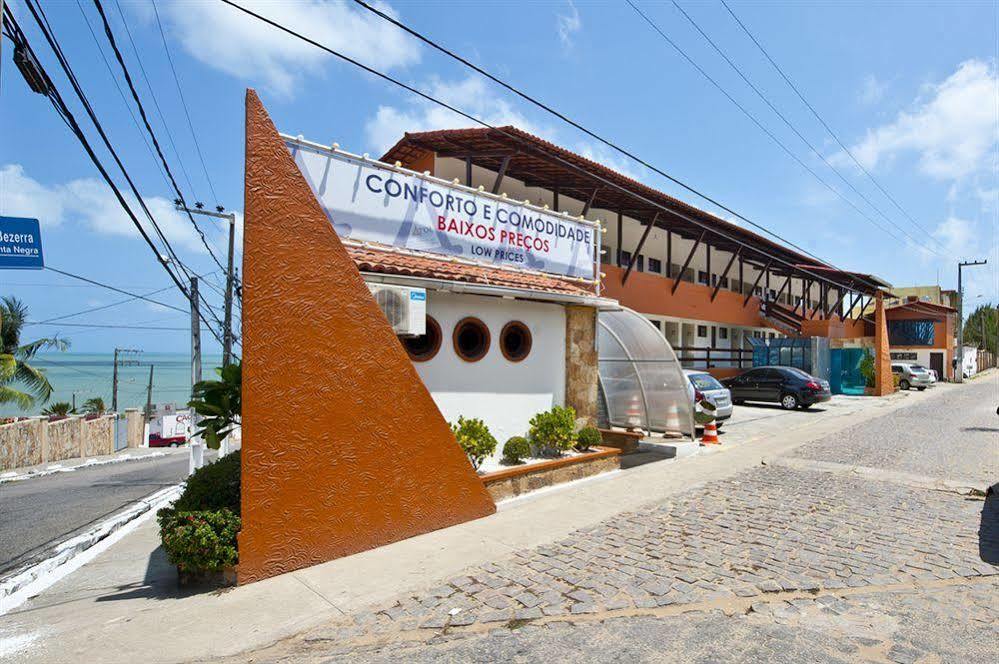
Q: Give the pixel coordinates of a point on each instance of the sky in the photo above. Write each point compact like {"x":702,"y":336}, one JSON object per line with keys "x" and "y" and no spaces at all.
{"x":908,"y":88}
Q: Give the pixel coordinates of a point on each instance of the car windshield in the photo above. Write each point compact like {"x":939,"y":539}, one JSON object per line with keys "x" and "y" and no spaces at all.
{"x":704,"y":382}
{"x":797,"y":372}
{"x":917,"y":367}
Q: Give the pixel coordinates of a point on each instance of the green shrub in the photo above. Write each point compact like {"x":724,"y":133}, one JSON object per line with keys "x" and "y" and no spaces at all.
{"x":867,"y":368}
{"x":202,"y":541}
{"x":588,"y":437}
{"x":213,"y":487}
{"x":516,"y":449}
{"x":554,"y":431}
{"x":474,"y":438}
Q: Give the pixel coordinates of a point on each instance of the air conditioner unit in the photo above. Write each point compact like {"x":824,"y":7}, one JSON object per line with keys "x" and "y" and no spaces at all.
{"x":404,"y":307}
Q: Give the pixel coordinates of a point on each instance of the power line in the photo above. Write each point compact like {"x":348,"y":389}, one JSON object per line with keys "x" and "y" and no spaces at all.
{"x":180,"y":92}
{"x":754,"y":119}
{"x":819,"y":118}
{"x":114,"y":327}
{"x":145,"y":119}
{"x":857,"y":279}
{"x":114,"y":288}
{"x":794,"y":129}
{"x":121,"y":94}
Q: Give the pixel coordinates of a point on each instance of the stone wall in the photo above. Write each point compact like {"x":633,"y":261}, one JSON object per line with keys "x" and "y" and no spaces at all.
{"x":581,"y":361}
{"x":36,"y":440}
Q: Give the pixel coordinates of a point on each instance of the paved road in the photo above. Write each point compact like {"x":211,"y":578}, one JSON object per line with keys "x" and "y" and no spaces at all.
{"x":38,"y":513}
{"x":801,"y":559}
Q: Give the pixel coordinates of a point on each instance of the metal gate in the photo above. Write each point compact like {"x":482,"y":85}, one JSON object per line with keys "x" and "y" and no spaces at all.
{"x":120,"y":432}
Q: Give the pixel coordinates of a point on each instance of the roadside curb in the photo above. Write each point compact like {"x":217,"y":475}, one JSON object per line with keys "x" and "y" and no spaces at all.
{"x":68,"y":555}
{"x":51,"y":469}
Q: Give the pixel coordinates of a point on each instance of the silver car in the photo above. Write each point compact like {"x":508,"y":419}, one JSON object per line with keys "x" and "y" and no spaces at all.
{"x":911,"y":375}
{"x":704,"y":386}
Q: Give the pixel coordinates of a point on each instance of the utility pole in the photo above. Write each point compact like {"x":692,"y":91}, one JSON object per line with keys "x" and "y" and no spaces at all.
{"x":196,"y":447}
{"x":149,"y":395}
{"x":118,"y":352}
{"x":230,"y":275}
{"x":959,"y":371}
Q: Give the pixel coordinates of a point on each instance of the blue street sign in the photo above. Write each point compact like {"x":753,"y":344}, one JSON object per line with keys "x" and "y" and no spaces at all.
{"x":20,"y":244}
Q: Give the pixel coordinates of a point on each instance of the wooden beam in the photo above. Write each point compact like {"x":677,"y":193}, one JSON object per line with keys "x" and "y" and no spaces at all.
{"x":787,"y":283}
{"x":756,"y":283}
{"x":677,"y":279}
{"x":464,"y":153}
{"x":638,"y":250}
{"x":669,"y":253}
{"x":707,"y":261}
{"x":589,"y":202}
{"x":839,"y":301}
{"x":501,"y":173}
{"x":468,"y":171}
{"x":555,"y":199}
{"x":741,"y":265}
{"x":724,"y":274}
{"x":620,"y":238}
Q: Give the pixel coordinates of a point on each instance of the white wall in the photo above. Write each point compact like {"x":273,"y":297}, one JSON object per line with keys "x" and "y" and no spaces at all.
{"x":502,"y":393}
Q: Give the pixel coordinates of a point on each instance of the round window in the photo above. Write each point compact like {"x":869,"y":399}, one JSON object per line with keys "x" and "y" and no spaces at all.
{"x":471,"y":339}
{"x":515,"y":341}
{"x":425,"y":346}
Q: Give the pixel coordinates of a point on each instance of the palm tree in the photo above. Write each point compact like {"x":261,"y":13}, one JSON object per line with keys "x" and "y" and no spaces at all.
{"x":58,"y":408}
{"x":32,"y":386}
{"x":94,"y":406}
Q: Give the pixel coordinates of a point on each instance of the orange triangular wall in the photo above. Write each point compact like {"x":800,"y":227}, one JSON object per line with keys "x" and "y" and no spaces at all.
{"x":343,"y":447}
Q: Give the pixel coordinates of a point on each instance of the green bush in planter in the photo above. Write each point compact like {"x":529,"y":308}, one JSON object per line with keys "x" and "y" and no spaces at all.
{"x":474,"y":438}
{"x":203,"y":541}
{"x":588,"y":437}
{"x":516,"y":449}
{"x":213,"y":487}
{"x":554,"y":431}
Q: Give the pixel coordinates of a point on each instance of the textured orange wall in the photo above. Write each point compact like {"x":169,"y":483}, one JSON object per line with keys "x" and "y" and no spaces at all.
{"x":343,"y":447}
{"x":883,"y":382}
{"x":650,"y":294}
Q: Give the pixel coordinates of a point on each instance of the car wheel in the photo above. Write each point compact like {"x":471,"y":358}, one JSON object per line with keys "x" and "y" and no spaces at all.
{"x":789,"y":402}
{"x":903,"y":384}
{"x":173,"y":444}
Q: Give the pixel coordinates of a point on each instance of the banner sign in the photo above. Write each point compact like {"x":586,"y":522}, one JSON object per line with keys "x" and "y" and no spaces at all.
{"x":369,"y":202}
{"x":20,"y":244}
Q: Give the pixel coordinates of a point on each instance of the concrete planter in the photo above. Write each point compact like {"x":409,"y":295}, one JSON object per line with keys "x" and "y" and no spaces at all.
{"x":518,"y":480}
{"x":626,"y":441}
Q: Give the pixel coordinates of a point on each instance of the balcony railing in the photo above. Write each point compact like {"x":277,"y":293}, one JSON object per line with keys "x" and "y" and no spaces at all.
{"x":697,"y":357}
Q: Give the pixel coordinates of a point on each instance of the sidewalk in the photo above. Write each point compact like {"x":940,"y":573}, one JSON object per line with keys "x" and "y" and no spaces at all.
{"x":124,"y":606}
{"x":69,"y":465}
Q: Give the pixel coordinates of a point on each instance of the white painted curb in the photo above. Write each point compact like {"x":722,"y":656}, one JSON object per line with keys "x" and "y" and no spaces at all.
{"x":73,"y":553}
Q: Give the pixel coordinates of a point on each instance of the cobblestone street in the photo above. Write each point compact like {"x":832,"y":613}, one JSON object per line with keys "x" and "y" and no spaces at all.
{"x":882,"y":565}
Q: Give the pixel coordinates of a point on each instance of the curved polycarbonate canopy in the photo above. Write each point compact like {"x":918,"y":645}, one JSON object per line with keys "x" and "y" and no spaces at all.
{"x":642,"y":383}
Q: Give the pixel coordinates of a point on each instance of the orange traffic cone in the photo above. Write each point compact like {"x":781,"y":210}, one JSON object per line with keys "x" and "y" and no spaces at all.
{"x":673,"y":418}
{"x":634,"y":413}
{"x":710,"y":435}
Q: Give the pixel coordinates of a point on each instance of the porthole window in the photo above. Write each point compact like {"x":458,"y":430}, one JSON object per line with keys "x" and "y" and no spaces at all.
{"x":515,"y":341}
{"x":471,"y":339}
{"x":425,"y":346}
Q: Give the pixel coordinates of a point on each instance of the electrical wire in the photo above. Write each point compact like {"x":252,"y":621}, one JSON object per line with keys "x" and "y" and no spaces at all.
{"x":428,"y":97}
{"x":794,"y":129}
{"x":773,"y":137}
{"x":115,"y":289}
{"x":183,"y":101}
{"x":145,"y":119}
{"x":821,"y":120}
{"x":112,"y":327}
{"x":57,"y":101}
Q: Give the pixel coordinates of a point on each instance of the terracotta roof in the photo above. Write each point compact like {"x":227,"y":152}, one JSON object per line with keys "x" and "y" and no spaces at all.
{"x":924,"y":307}
{"x":427,"y":266}
{"x":539,"y":163}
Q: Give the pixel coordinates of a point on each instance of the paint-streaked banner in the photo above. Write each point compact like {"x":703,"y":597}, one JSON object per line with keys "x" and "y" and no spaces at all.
{"x":368,"y":202}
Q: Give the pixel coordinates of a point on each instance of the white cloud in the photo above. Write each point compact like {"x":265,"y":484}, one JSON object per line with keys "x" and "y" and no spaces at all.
{"x":567,"y":24}
{"x":471,"y":95}
{"x":238,"y":44}
{"x":951,"y":127}
{"x":89,"y":202}
{"x":871,"y":90}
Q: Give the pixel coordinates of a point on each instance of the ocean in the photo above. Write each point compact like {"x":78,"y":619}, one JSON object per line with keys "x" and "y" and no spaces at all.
{"x":85,"y":375}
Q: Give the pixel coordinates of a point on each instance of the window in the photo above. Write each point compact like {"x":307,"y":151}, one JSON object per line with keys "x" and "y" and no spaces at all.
{"x":515,"y":341}
{"x":704,"y":382}
{"x":625,"y":258}
{"x":424,"y":347}
{"x":702,"y":277}
{"x":657,"y":323}
{"x":910,"y":332}
{"x":655,"y":265}
{"x":723,"y":333}
{"x":471,"y":339}
{"x":702,"y":331}
{"x":641,"y":263}
{"x":723,"y":282}
{"x":757,"y":334}
{"x":607,"y":250}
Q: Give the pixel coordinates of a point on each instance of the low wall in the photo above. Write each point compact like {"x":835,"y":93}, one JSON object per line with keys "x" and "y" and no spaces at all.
{"x":518,"y":480}
{"x":37,"y":440}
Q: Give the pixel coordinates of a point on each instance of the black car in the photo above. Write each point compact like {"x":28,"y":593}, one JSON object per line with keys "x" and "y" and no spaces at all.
{"x":790,"y":387}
